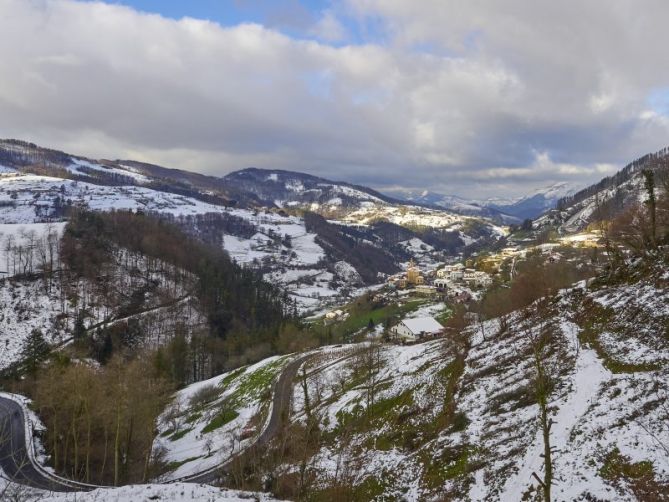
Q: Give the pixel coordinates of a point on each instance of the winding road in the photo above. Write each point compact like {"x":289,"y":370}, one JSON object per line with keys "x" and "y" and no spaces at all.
{"x":20,"y":466}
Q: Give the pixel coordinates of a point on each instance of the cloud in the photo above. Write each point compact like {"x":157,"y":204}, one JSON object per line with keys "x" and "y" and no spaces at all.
{"x":329,"y":28}
{"x":460,"y":97}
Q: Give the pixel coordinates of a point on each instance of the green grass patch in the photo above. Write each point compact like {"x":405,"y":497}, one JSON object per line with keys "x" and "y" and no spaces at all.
{"x":451,"y":463}
{"x":595,"y":319}
{"x":253,"y":385}
{"x":616,"y":467}
{"x":179,"y":434}
{"x":232,"y":376}
{"x":224,"y":417}
{"x":173,"y":466}
{"x":193,"y":417}
{"x":361,"y":312}
{"x":639,"y":477}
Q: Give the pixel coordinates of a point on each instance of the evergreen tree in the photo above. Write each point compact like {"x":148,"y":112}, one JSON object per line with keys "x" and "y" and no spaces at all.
{"x":79,"y":331}
{"x":35,"y":349}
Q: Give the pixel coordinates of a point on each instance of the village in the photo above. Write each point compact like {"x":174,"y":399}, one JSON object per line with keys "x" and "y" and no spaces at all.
{"x":416,"y":302}
{"x":423,"y":297}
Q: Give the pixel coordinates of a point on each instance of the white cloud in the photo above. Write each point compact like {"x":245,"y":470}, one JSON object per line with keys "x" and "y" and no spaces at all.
{"x":329,"y":28}
{"x":463,"y":93}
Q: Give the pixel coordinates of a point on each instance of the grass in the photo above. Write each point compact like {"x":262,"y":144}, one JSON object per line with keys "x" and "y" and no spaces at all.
{"x":253,"y":385}
{"x":173,"y":466}
{"x":232,"y":376}
{"x":451,"y":463}
{"x":638,"y":477}
{"x":361,"y":312}
{"x":617,"y":466}
{"x":593,"y":321}
{"x":223,"y":417}
{"x":179,"y":434}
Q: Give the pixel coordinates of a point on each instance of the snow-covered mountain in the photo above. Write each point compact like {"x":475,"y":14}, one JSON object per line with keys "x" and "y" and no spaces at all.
{"x":505,"y":209}
{"x":361,"y":235}
{"x":534,"y":204}
{"x":606,"y":199}
{"x":456,"y":204}
{"x":293,"y":189}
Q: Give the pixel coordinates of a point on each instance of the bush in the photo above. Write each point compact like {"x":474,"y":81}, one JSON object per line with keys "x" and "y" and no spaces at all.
{"x":204,"y":395}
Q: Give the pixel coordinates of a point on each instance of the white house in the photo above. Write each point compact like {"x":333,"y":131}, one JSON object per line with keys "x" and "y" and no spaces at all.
{"x":457,"y":275}
{"x":441,"y":284}
{"x":411,"y":330}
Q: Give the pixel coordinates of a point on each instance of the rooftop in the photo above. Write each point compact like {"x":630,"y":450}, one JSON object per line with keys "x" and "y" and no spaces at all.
{"x":423,"y":325}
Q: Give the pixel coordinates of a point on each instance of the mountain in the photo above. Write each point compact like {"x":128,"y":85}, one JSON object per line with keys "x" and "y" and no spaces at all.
{"x":534,"y":204}
{"x":260,"y":217}
{"x":458,"y":417}
{"x":506,"y":210}
{"x":605,"y":199}
{"x":273,"y":187}
{"x":457,"y":205}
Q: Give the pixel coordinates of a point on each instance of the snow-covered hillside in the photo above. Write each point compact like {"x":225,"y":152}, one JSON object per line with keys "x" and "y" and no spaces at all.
{"x":459,"y":418}
{"x":294,"y":262}
{"x":577,"y":216}
{"x":174,"y":492}
{"x":210,"y":421}
{"x":504,"y":209}
{"x":607,"y":198}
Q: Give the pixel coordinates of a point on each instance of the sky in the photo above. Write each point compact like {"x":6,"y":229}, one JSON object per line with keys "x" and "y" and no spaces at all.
{"x":479,"y":99}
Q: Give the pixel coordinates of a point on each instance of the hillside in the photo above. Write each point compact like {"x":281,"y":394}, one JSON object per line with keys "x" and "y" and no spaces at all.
{"x":458,"y":417}
{"x":247,"y":213}
{"x":605,"y":199}
{"x":503,"y":210}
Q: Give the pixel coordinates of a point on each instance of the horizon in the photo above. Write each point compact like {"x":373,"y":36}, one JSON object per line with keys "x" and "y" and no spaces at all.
{"x":473,"y":101}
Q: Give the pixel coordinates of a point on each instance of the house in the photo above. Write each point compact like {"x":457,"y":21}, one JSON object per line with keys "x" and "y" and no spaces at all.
{"x":477,"y":278}
{"x":423,"y":289}
{"x":414,"y":276}
{"x":441,"y":285}
{"x":447,"y":271}
{"x":411,"y":330}
{"x":457,"y":275}
{"x":335,"y":314}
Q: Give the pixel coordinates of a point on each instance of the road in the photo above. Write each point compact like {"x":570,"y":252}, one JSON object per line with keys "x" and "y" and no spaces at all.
{"x":283,"y":391}
{"x":16,"y":464}
{"x":14,"y":459}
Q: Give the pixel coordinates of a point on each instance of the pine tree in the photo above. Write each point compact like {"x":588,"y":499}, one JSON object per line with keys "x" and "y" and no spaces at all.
{"x":35,"y":349}
{"x":79,"y":331}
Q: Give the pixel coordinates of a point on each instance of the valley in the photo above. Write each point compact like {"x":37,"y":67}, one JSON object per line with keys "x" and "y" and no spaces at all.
{"x":290,"y":337}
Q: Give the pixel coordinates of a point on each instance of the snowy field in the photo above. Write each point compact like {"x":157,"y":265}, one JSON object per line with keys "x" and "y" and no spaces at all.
{"x":210,"y":421}
{"x":175,"y":492}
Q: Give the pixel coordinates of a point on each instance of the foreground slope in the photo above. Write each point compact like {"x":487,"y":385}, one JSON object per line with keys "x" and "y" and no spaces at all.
{"x":458,"y":418}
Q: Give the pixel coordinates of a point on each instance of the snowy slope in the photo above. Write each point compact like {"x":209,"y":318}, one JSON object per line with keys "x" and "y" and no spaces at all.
{"x":238,"y":400}
{"x":175,"y":492}
{"x":607,"y":360}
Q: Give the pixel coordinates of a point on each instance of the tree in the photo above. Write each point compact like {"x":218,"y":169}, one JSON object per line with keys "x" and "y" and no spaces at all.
{"x":649,"y":185}
{"x":34,"y":351}
{"x":539,"y":335}
{"x":79,"y":330}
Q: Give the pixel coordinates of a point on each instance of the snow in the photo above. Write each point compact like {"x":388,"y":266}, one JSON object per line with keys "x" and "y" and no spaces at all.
{"x":198,"y":451}
{"x":177,"y":492}
{"x":423,"y":325}
{"x":77,"y":164}
{"x":18,"y":234}
{"x":588,"y":377}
